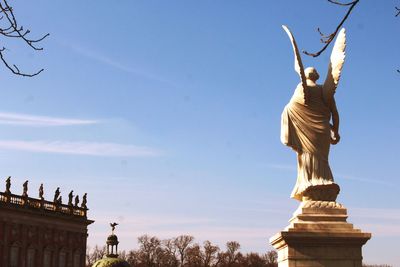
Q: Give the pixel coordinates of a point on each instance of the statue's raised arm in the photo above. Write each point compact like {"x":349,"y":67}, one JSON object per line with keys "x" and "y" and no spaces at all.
{"x":335,"y":67}
{"x":298,"y":64}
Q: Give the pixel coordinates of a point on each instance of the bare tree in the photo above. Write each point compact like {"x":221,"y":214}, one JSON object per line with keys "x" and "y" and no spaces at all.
{"x":194,"y":256}
{"x":253,"y":260}
{"x":132,"y":257}
{"x":210,"y":254}
{"x":150,"y":250}
{"x":10,"y":28}
{"x":169,"y":253}
{"x":123,"y":255}
{"x":95,"y":254}
{"x":328,"y":38}
{"x":182,"y":243}
{"x":232,"y":252}
{"x":170,"y":257}
{"x":271,"y":258}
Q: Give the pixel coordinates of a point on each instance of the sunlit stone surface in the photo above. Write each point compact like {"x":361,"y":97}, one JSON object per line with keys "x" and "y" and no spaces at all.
{"x":318,"y":234}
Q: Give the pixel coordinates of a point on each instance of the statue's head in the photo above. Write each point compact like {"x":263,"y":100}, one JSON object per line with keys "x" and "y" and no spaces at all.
{"x":311,"y":74}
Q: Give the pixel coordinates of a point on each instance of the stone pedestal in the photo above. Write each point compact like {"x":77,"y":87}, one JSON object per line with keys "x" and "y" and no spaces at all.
{"x":319,"y":236}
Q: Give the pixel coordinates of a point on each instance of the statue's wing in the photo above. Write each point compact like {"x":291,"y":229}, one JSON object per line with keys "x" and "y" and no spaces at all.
{"x":298,"y":64}
{"x":335,"y":66}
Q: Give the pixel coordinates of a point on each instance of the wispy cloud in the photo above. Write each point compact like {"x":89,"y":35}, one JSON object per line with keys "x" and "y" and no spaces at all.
{"x":114,"y":63}
{"x":80,"y":148}
{"x":32,"y":120}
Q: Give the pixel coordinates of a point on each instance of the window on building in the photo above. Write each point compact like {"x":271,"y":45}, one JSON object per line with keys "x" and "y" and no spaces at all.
{"x":30,"y":257}
{"x":77,"y":259}
{"x":62,"y":259}
{"x":14,"y":254}
{"x":47,"y":258}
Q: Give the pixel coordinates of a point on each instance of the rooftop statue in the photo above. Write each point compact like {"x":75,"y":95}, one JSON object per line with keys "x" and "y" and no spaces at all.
{"x":76,"y":201}
{"x":113,"y":225}
{"x":56,"y":195}
{"x":8,"y":185}
{"x":25,"y":189}
{"x":41,"y":192}
{"x":306,"y":125}
{"x":70,"y":197}
{"x":84,"y":201}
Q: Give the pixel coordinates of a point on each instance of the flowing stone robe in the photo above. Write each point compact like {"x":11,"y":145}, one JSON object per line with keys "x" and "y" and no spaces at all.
{"x":306,"y":129}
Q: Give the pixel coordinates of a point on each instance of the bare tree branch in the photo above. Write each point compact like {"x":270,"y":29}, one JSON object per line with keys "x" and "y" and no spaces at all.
{"x":14,"y":69}
{"x":340,"y":4}
{"x":327,"y":39}
{"x":13,"y":30}
{"x":398,"y":13}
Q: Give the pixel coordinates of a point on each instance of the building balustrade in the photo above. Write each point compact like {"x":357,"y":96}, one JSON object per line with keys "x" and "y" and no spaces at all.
{"x":24,"y":201}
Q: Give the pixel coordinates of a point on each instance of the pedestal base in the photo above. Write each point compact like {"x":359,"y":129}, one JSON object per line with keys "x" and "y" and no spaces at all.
{"x":319,"y":236}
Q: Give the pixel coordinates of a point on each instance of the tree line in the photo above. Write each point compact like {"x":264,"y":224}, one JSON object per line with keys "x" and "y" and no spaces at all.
{"x":182,"y":251}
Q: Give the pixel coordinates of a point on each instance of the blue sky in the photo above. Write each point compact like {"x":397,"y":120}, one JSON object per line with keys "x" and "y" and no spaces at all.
{"x":167,"y":113}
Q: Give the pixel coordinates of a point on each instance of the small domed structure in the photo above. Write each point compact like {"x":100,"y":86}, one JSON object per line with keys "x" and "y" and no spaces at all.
{"x":112,"y":242}
{"x":111,"y":259}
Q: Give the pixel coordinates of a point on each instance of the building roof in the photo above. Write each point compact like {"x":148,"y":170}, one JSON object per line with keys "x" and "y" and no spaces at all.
{"x":111,"y":262}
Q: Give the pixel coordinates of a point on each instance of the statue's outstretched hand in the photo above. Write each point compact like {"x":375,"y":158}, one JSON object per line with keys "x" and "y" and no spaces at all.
{"x":335,"y":137}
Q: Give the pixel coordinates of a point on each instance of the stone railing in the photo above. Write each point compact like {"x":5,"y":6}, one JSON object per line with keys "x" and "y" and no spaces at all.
{"x":41,"y":204}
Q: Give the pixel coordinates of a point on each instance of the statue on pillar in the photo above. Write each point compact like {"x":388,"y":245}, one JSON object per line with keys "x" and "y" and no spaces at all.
{"x":318,"y":233}
{"x":8,"y":185}
{"x":25,"y":189}
{"x":56,"y":195}
{"x":70,"y":197}
{"x":41,"y":192}
{"x":76,"y":201}
{"x":84,"y":201}
{"x":310,"y":124}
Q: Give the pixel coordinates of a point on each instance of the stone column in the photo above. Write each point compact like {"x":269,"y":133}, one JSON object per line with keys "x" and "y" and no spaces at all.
{"x":320,"y":236}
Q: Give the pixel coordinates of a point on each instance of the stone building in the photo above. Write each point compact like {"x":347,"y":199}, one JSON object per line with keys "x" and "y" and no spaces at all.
{"x":35,"y":232}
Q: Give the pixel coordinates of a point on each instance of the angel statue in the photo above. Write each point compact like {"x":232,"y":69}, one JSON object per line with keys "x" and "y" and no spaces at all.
{"x":306,"y":125}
